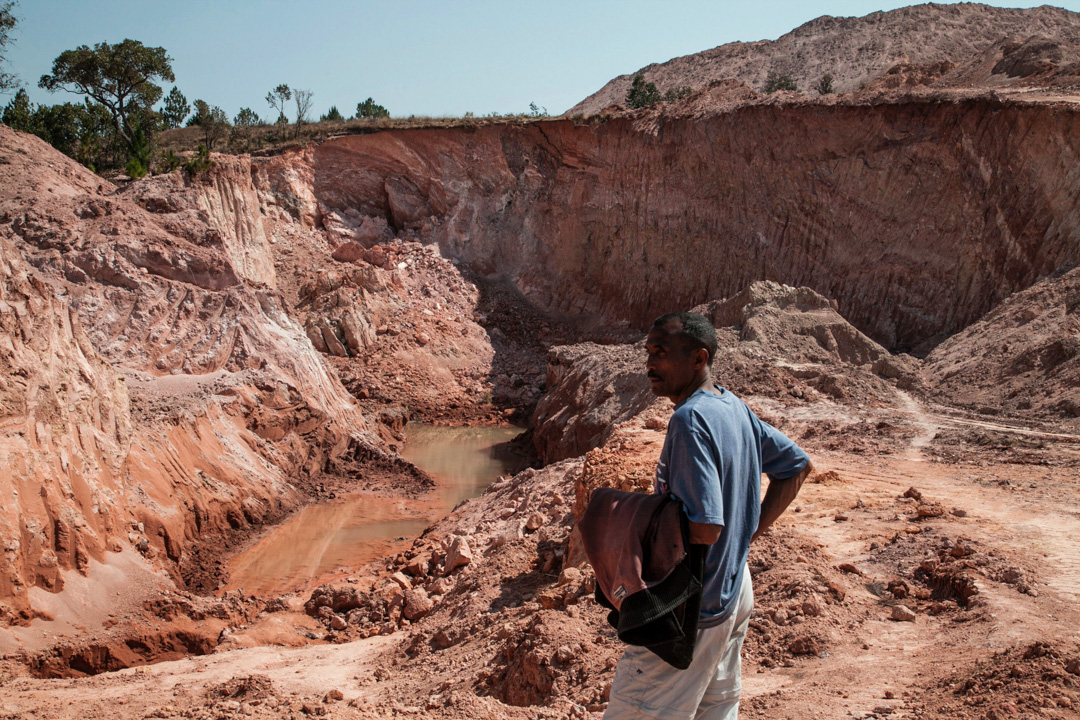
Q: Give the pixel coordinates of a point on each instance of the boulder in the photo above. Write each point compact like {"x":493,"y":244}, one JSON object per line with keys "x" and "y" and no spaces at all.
{"x":333,"y":344}
{"x":903,"y":613}
{"x":417,"y":604}
{"x":348,"y":252}
{"x":458,"y":555}
{"x":359,"y":335}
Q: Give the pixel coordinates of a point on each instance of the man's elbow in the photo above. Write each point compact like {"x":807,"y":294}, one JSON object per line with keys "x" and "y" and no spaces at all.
{"x":704,"y":534}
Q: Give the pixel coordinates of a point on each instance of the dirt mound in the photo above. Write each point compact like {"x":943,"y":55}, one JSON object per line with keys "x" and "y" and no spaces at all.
{"x":1040,"y":678}
{"x":1021,"y":360}
{"x":856,"y":51}
{"x":774,"y":341}
{"x":590,"y":388}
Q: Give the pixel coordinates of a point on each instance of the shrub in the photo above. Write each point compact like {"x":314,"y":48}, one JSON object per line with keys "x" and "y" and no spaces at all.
{"x":824,"y":86}
{"x":775,"y":82}
{"x":135,"y":169}
{"x":139,"y":162}
{"x":168,"y":162}
{"x":676,"y":94}
{"x":333,"y":114}
{"x":199,"y":162}
{"x":642,"y":93}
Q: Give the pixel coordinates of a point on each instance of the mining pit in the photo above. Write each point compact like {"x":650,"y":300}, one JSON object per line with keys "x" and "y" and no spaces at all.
{"x":201,"y":376}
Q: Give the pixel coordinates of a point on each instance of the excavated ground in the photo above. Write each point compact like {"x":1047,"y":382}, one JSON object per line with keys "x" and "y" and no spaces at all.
{"x":225,"y":349}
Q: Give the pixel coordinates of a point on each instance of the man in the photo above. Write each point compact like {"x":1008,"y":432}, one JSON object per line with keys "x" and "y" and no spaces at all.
{"x":714,"y":454}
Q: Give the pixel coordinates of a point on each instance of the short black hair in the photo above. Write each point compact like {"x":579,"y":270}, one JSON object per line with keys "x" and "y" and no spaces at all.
{"x":696,"y":331}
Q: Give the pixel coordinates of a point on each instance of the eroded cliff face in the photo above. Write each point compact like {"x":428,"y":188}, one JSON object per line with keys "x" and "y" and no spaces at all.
{"x":65,"y":433}
{"x":918,"y":216}
{"x":156,"y":393}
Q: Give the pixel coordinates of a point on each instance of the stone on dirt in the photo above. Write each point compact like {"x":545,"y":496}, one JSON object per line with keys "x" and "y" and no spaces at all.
{"x":903,"y":613}
{"x":458,"y":555}
{"x":417,"y":604}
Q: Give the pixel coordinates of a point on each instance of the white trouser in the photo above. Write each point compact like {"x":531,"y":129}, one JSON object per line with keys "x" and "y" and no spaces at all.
{"x":647,"y":687}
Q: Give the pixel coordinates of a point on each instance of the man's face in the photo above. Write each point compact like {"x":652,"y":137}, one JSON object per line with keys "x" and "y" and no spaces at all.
{"x":674,"y":369}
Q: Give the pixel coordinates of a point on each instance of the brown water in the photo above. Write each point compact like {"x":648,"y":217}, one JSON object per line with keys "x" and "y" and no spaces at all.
{"x":331,"y":538}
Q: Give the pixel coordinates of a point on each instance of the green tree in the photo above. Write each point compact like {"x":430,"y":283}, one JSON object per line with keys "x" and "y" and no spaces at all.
{"x":775,"y":81}
{"x":213,"y":121}
{"x":642,"y":93}
{"x":537,"y":111}
{"x":332,"y":114}
{"x":246,"y":118}
{"x":119,"y":77}
{"x":244,"y":121}
{"x":277,"y":99}
{"x":824,"y":86}
{"x":19,"y":113}
{"x":202,"y":112}
{"x":139,"y":162}
{"x":369,"y":110}
{"x":81,"y":131}
{"x":8,"y":82}
{"x":176,"y":108}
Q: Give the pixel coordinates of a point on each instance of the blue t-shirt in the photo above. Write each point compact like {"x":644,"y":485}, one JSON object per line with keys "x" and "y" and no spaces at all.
{"x":714,"y":454}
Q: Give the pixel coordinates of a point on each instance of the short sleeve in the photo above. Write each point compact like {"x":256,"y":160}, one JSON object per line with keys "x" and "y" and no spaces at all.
{"x":694,"y":478}
{"x":781,"y":458}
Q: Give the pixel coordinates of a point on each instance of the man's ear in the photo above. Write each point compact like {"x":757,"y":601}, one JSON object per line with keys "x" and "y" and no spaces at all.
{"x":701,"y":358}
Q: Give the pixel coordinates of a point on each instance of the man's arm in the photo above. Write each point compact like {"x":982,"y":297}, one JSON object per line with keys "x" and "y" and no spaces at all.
{"x":704,"y":534}
{"x":777,"y":498}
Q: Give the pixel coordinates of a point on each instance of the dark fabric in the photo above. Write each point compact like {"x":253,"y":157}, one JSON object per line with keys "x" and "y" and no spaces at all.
{"x":663,"y":614}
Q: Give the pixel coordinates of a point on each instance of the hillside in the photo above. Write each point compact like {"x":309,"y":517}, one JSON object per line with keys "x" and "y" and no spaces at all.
{"x":959,"y":39}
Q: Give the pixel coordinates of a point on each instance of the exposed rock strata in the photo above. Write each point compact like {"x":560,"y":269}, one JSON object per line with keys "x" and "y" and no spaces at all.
{"x":65,"y":433}
{"x":917,"y":216}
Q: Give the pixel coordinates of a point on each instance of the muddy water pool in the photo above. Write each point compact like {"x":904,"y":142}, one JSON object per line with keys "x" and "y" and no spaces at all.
{"x":331,"y":538}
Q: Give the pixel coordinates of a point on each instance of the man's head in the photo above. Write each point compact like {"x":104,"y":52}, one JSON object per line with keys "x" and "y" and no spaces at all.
{"x":680,"y":348}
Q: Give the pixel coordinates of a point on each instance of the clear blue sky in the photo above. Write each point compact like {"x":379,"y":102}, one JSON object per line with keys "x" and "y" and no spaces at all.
{"x":423,"y":57}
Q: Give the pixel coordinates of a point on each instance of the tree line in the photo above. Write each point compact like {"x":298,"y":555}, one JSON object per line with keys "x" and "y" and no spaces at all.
{"x":119,"y":117}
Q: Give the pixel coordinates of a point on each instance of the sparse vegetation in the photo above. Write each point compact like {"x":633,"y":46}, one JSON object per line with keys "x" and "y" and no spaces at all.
{"x":168,"y":162}
{"x":776,"y":81}
{"x":199,"y":162}
{"x":645,"y":94}
{"x":676,"y":94}
{"x":213,"y":121}
{"x":243,"y":124}
{"x":825,"y":84}
{"x":537,"y":111}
